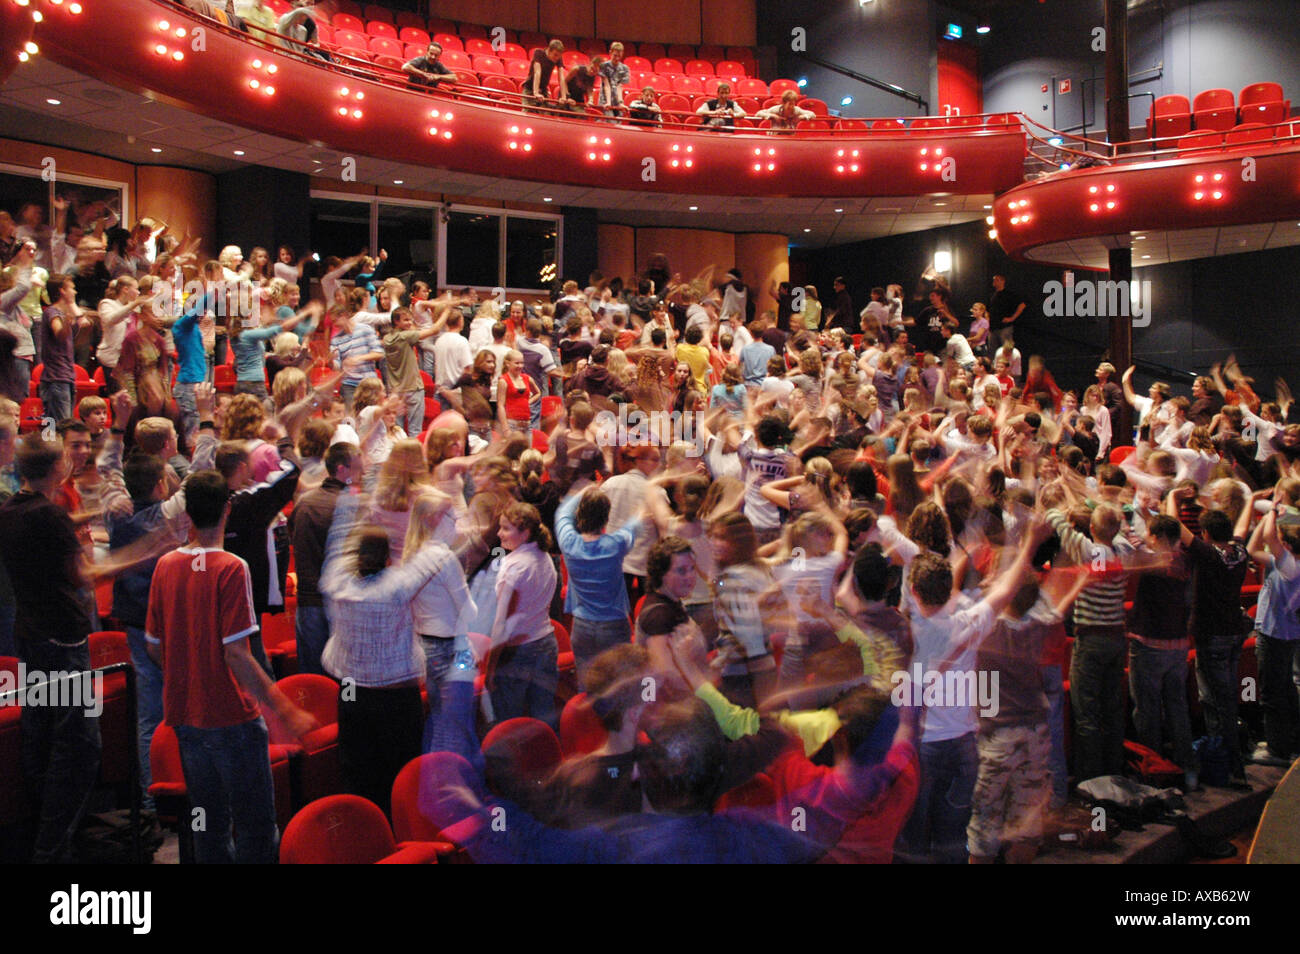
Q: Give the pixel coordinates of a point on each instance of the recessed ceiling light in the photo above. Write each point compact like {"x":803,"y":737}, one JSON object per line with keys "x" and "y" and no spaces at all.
{"x":941,"y":203}
{"x":988,"y":206}
{"x":1139,"y":238}
{"x":1146,"y":256}
{"x":155,"y":149}
{"x":239,"y":152}
{"x":807,"y":230}
{"x":695,"y":208}
{"x":547,"y":198}
{"x":55,"y":102}
{"x":398,"y":181}
{"x":839,"y":210}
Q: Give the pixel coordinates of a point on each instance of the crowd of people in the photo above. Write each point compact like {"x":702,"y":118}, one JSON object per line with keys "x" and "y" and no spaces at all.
{"x":788,"y":545}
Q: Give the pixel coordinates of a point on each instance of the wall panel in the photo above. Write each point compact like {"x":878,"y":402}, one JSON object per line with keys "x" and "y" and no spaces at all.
{"x":730,"y":22}
{"x":665,"y":21}
{"x":763,"y":258}
{"x":184,"y":199}
{"x":688,"y":250}
{"x":511,"y":14}
{"x":568,"y":19}
{"x":615,"y":250}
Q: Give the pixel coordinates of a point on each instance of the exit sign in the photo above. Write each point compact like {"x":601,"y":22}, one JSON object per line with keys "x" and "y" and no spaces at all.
{"x":954,"y":31}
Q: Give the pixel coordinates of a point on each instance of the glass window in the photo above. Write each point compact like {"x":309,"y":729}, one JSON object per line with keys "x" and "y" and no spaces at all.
{"x":339,"y":226}
{"x":530,"y":252}
{"x":406,"y":232}
{"x":473,"y":249}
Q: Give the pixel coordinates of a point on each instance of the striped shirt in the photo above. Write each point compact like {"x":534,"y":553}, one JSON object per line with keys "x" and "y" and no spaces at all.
{"x":1101,"y":603}
{"x":360,"y":340}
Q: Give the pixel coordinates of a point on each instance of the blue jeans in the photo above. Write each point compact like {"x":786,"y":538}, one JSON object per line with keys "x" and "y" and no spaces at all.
{"x":590,"y":638}
{"x":312,"y":628}
{"x":412,"y":420}
{"x":184,"y":395}
{"x":1217,"y":659}
{"x":450,"y":726}
{"x":57,"y":398}
{"x":1279,"y":667}
{"x":61,"y":752}
{"x":936,"y":830}
{"x":525,"y":681}
{"x":1059,"y":768}
{"x":228,"y":775}
{"x":1157,"y":681}
{"x":148,"y":703}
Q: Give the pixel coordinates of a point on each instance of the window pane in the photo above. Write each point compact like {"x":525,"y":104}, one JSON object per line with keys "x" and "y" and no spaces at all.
{"x":472,"y":240}
{"x":339,"y":227}
{"x":406,"y":232}
{"x":530,"y":252}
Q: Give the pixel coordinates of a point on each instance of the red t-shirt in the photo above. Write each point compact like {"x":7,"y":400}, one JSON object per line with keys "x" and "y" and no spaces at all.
{"x":199,"y":601}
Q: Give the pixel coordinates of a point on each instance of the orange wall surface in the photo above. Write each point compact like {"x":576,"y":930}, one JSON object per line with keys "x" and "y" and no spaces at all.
{"x":725,"y":22}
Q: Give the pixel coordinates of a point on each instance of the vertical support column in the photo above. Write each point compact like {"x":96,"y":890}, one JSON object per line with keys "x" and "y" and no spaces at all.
{"x":1117,"y":131}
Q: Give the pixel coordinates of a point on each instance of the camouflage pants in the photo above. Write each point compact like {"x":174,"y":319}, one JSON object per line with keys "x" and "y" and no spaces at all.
{"x":1012,"y":790}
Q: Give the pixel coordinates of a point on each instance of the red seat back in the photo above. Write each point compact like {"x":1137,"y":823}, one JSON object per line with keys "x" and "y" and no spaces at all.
{"x":379,"y":28}
{"x":581,"y":730}
{"x":638,"y":64}
{"x":1171,"y":105}
{"x":478,"y":45}
{"x":1261,"y":93}
{"x":522,"y":750}
{"x":419,"y":774}
{"x":699,"y":68}
{"x":1213,"y":99}
{"x":668,"y":64}
{"x":337,"y":829}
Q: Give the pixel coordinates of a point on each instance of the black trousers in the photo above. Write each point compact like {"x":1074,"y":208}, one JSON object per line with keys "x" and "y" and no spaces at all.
{"x":379,"y":732}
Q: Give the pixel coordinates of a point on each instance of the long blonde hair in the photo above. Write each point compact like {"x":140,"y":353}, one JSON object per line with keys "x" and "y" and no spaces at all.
{"x":426,"y":514}
{"x":403,"y":477}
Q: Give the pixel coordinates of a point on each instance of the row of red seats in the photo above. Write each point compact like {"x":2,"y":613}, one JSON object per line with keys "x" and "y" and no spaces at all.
{"x":1215,"y":110}
{"x":410,"y":28}
{"x":1244,"y":136}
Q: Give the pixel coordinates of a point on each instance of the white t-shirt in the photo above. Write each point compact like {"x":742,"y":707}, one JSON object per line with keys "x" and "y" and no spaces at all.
{"x":451,"y":355}
{"x":934,"y":639}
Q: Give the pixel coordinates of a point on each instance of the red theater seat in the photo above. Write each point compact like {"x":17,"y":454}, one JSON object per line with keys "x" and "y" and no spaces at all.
{"x":318,"y":769}
{"x":688,"y":85}
{"x":346,"y":21}
{"x":347,"y":830}
{"x":386,"y":46}
{"x":517,"y":69}
{"x":698,"y":68}
{"x":896,"y":125}
{"x":1170,"y":116}
{"x":574,"y":58}
{"x":713,"y":54}
{"x":638,"y":64}
{"x":730,"y":69}
{"x":668,"y":64}
{"x":816,"y":106}
{"x":652,"y":51}
{"x":372,"y":11}
{"x":581,"y":730}
{"x":488,"y":64}
{"x":523,"y":748}
{"x":379,"y":28}
{"x":1194,"y":143}
{"x":751,"y":87}
{"x":448,"y":41}
{"x":1263,"y":103}
{"x":673,"y":103}
{"x":780,"y":87}
{"x":350,"y":7}
{"x":851,"y":124}
{"x":407,"y":19}
{"x":457,"y":60}
{"x":280,"y":640}
{"x":1247,"y":134}
{"x":929,"y":122}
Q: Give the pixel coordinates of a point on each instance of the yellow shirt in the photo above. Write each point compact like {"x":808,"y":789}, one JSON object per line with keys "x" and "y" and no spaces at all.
{"x":697,"y":358}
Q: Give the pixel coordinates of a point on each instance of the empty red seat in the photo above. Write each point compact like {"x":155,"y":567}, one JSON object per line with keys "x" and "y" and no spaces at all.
{"x":928,"y":122}
{"x":488,"y":64}
{"x":889,"y":124}
{"x":661,"y":84}
{"x":667,"y":64}
{"x":456,"y":60}
{"x":638,"y":64}
{"x":409,"y":821}
{"x":386,"y":46}
{"x":1247,"y":134}
{"x":380,"y":28}
{"x":1170,"y":116}
{"x":688,"y":85}
{"x":673,"y":103}
{"x":1200,"y":142}
{"x":448,"y":41}
{"x":319,"y":772}
{"x":346,"y":21}
{"x":751,"y":87}
{"x":352,"y":43}
{"x":280,"y":641}
{"x":815,"y":106}
{"x":750,"y":105}
{"x":517,"y":69}
{"x":698,"y":68}
{"x":1263,"y":103}
{"x":478,"y":46}
{"x":347,"y":829}
{"x":513,"y":51}
{"x":730,"y":69}
{"x":414,"y":35}
{"x":503,"y":84}
{"x":779,"y":87}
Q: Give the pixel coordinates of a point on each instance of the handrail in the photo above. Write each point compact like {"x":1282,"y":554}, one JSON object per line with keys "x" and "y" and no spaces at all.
{"x":354,"y":67}
{"x":869,"y":80}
